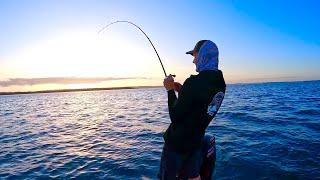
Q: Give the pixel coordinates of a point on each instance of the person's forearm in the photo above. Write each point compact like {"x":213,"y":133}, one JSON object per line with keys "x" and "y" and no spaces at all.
{"x":171,"y":98}
{"x":179,"y":107}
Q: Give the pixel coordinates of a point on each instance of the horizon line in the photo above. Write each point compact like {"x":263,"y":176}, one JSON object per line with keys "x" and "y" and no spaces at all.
{"x":130,"y":87}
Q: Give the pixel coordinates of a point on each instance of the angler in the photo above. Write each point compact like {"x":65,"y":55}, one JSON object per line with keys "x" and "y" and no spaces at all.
{"x":184,"y":153}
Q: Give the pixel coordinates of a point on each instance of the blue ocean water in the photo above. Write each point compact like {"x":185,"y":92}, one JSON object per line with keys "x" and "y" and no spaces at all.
{"x":263,"y":131}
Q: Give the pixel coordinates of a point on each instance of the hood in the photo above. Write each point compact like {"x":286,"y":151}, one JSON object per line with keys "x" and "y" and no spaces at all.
{"x":208,"y":57}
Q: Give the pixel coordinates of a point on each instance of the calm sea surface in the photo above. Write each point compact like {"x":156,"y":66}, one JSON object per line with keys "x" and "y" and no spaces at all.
{"x":263,"y":131}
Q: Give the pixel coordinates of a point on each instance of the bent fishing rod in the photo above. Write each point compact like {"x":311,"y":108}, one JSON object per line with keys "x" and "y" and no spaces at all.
{"x":105,"y":27}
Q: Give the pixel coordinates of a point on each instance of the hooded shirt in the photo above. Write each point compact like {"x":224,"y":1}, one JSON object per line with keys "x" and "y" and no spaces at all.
{"x":199,"y":101}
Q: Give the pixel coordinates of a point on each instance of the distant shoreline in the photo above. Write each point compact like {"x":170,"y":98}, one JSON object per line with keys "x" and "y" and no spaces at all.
{"x":128,"y":87}
{"x":76,"y":90}
{"x":270,"y":82}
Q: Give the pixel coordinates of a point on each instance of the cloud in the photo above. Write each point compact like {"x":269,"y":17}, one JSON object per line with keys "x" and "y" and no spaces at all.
{"x":60,"y":80}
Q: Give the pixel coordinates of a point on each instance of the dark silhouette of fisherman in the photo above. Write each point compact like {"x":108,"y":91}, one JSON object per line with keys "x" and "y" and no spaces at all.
{"x":187,"y":152}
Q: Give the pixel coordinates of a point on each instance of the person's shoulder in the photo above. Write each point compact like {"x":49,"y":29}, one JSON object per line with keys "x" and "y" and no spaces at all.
{"x":215,"y":74}
{"x":220,"y":72}
{"x":189,"y":84}
{"x":190,"y":79}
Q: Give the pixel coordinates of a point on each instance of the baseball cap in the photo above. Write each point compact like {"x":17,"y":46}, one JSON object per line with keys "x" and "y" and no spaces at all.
{"x":197,"y":47}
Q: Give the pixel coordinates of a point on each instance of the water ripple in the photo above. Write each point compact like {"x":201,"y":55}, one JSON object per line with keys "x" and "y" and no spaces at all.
{"x":263,"y":131}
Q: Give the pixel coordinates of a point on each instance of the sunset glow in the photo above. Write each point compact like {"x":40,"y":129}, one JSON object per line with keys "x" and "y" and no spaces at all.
{"x":37,"y":42}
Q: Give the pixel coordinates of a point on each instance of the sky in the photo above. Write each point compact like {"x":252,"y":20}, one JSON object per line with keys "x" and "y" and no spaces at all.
{"x":56,"y":45}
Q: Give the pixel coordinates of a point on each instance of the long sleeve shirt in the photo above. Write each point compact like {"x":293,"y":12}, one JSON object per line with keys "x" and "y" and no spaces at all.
{"x":190,"y":113}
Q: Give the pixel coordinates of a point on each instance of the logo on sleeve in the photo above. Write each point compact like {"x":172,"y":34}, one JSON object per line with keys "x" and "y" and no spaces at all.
{"x":215,"y":104}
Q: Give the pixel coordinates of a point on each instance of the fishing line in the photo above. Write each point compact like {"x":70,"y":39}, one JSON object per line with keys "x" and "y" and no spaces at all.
{"x":105,"y":27}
